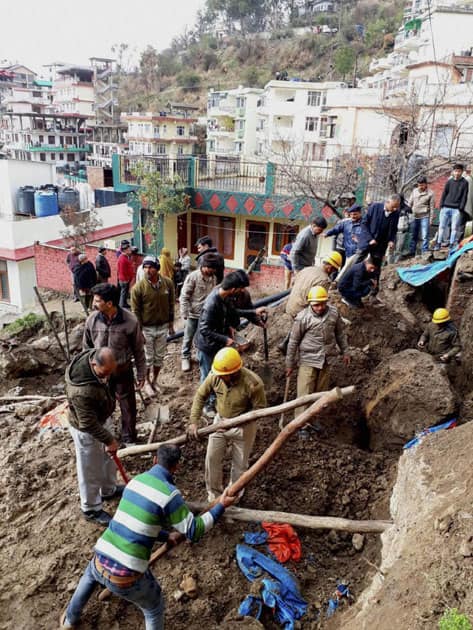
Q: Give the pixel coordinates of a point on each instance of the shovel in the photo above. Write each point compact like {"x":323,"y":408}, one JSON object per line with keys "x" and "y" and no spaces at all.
{"x":267,"y":372}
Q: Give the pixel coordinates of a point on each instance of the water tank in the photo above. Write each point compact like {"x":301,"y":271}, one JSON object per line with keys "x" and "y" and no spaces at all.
{"x":108,"y":197}
{"x":45,"y":203}
{"x":25,"y":200}
{"x":69,"y":199}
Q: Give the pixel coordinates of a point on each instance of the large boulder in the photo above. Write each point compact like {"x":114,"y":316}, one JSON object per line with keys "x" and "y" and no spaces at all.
{"x":407,"y":393}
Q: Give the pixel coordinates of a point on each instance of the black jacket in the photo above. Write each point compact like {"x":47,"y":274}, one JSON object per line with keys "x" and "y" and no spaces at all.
{"x":85,"y":276}
{"x":356,"y":280}
{"x":375,"y":225}
{"x":220,"y":264}
{"x":103,"y":267}
{"x":217,"y":317}
{"x":455,"y":194}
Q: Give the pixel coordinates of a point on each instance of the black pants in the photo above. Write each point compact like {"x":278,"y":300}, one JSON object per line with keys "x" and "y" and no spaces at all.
{"x":124,"y":290}
{"x":124,"y":386}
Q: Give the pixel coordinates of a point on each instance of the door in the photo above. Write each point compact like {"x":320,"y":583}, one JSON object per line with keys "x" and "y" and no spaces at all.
{"x":257,"y":233}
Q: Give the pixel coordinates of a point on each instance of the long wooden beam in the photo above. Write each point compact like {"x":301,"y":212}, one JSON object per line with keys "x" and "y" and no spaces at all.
{"x":250,"y":416}
{"x":298,"y":520}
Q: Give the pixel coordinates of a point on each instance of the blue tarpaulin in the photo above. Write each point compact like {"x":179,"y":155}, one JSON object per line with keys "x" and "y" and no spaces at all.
{"x":279,"y":588}
{"x":417,"y":275}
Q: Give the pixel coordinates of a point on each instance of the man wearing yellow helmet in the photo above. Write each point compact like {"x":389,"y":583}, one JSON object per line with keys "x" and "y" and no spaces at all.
{"x":315,"y":329}
{"x":237,"y":390}
{"x":441,"y":338}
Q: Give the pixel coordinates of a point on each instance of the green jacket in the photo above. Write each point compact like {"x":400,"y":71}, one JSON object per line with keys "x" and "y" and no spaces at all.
{"x":245,"y":394}
{"x":441,"y":339}
{"x":90,"y":401}
{"x":153,"y":307}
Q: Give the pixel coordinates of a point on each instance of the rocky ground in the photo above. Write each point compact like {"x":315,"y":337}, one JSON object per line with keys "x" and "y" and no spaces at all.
{"x":348,"y":468}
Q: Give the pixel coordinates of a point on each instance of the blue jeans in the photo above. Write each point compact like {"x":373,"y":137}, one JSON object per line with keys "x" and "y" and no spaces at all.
{"x":450,"y":218}
{"x":189,"y":332}
{"x":145,"y":593}
{"x":205,"y":365}
{"x":419,"y":227}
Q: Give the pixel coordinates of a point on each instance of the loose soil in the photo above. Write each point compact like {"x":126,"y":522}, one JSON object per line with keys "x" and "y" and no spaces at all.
{"x":46,"y":543}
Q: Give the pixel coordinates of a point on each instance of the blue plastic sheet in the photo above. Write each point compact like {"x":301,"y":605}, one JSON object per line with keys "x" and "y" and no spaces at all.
{"x":279,"y":590}
{"x":439,"y":427}
{"x":256,"y":538}
{"x":417,"y":275}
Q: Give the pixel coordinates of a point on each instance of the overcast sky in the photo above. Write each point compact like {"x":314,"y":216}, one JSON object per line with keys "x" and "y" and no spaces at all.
{"x":36,"y":33}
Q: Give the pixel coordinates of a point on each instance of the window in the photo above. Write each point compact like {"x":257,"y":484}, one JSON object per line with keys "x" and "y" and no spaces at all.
{"x":220,"y":229}
{"x":311,"y":123}
{"x":51,"y":140}
{"x":156,"y":131}
{"x":61,"y":156}
{"x":41,"y":139}
{"x":160,"y":149}
{"x":238,"y":147}
{"x":4,"y":287}
{"x":180,"y":150}
{"x":42,"y":157}
{"x":148,"y":149}
{"x":70,"y":157}
{"x":180,"y":130}
{"x":260,"y":124}
{"x":314,"y":98}
{"x":53,"y":157}
{"x":327,"y":126}
{"x":240,"y":101}
{"x":313,"y":151}
{"x":240,"y":125}
{"x":282,"y":234}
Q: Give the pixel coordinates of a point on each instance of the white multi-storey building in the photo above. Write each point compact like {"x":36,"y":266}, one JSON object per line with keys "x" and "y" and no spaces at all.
{"x":231,"y":121}
{"x":293,"y":120}
{"x":74,"y":91}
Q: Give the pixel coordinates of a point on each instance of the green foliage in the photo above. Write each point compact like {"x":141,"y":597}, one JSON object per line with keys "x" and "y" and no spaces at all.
{"x":344,"y":60}
{"x":252,"y":77}
{"x":375,"y":32}
{"x":28,"y":322}
{"x":188,"y":80}
{"x":159,"y":196}
{"x":453,"y":620}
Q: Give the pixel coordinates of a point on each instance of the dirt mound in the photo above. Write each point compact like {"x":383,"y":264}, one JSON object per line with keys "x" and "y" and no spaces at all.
{"x":406,"y":394}
{"x":427,"y":555}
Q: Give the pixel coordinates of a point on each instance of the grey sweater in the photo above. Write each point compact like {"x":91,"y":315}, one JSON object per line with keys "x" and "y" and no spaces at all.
{"x":304,"y":249}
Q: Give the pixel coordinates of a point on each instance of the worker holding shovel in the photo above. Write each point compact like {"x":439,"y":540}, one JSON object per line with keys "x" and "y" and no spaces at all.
{"x":150,"y":502}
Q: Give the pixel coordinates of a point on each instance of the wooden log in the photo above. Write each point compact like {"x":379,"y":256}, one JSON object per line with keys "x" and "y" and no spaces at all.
{"x":250,"y":416}
{"x":31,"y":398}
{"x":327,"y":399}
{"x":50,"y":321}
{"x":324,"y":400}
{"x":299,"y":520}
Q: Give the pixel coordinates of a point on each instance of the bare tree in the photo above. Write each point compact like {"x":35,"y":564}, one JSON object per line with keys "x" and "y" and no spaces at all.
{"x":80,"y":226}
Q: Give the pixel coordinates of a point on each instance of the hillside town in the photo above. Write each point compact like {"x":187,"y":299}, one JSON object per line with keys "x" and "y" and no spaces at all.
{"x":236,"y":326}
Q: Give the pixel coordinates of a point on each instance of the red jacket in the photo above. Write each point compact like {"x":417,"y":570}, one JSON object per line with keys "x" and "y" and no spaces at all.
{"x":126,"y":271}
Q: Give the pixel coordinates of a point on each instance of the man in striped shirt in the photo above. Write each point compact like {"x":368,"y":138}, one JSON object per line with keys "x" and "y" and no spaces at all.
{"x":150,"y":503}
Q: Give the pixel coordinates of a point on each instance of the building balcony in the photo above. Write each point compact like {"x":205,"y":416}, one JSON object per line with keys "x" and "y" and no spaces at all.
{"x":409,"y":40}
{"x":222,"y":133}
{"x":282,"y":108}
{"x":86,"y":148}
{"x":222,"y":110}
{"x":378,"y":65}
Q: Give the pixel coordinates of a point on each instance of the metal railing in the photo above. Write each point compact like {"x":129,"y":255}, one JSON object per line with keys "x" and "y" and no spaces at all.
{"x":294,"y":180}
{"x":168,"y":168}
{"x":231,"y":174}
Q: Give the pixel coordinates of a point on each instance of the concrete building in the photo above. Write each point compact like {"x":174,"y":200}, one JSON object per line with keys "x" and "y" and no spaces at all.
{"x":18,"y":233}
{"x":231,"y":122}
{"x":74,"y":91}
{"x":166,"y":136}
{"x":292,"y":120}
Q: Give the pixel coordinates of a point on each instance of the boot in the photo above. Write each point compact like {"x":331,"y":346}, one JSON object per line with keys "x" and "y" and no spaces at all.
{"x":185,"y":365}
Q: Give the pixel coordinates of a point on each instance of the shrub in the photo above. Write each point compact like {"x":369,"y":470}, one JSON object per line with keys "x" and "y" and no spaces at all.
{"x":31,"y":321}
{"x":188,"y":80}
{"x":453,"y":620}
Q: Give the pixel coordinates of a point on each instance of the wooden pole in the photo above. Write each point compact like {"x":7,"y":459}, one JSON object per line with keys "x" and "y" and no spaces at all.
{"x":250,"y":416}
{"x":328,"y":398}
{"x":66,"y":332}
{"x":324,"y":400}
{"x":299,"y":520}
{"x":50,"y":321}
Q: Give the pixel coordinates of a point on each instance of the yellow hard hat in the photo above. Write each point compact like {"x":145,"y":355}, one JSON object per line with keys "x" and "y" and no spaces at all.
{"x":226,"y":361}
{"x":317,"y":294}
{"x":335,"y":259}
{"x":440,"y":316}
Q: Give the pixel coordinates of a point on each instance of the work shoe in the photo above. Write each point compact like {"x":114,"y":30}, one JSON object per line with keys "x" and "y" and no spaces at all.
{"x":63,"y":623}
{"x":115,"y":495}
{"x":209,"y":411}
{"x":100,"y":517}
{"x":186,"y":365}
{"x":351,"y":304}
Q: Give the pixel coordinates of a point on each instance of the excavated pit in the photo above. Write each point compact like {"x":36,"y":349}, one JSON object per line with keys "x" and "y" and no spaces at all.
{"x":46,"y":543}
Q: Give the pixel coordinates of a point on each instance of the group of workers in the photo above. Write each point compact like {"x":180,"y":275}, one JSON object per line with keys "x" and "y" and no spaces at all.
{"x":119,"y":342}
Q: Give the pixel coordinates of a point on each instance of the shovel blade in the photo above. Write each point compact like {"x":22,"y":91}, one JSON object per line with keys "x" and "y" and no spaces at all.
{"x":267,"y":376}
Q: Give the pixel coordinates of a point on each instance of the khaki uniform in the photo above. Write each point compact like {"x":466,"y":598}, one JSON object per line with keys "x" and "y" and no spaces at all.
{"x":312,"y":336}
{"x":303,"y":282}
{"x":245,"y":394}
